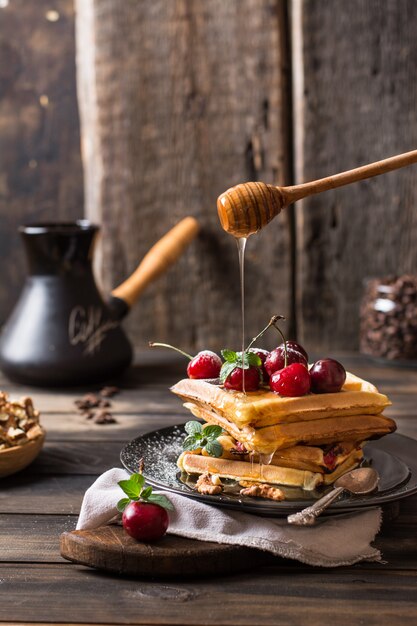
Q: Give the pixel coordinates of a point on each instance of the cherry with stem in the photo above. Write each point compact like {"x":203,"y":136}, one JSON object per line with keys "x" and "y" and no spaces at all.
{"x":154,"y":344}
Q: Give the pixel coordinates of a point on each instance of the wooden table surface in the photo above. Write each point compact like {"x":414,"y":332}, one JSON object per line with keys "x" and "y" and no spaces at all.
{"x":37,"y":585}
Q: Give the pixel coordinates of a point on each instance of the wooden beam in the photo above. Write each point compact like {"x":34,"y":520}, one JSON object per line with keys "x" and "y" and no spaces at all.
{"x":40,"y":158}
{"x":354,"y":102}
{"x":187,"y":99}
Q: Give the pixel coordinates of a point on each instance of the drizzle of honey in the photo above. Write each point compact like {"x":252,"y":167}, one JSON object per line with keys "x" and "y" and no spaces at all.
{"x":264,"y":459}
{"x":241,"y":246}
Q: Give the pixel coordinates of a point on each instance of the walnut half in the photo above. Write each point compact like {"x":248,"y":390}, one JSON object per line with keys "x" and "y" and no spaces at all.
{"x":19,"y":422}
{"x":263,"y":491}
{"x":207,"y":486}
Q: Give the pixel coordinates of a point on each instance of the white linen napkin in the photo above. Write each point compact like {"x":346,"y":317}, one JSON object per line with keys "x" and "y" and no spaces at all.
{"x":336,"y":540}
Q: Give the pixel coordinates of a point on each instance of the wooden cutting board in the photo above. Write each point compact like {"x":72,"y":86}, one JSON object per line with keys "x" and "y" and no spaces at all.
{"x":109,"y":548}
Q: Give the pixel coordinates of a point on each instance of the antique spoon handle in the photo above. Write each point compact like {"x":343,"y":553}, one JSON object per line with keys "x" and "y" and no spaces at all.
{"x":307,"y":517}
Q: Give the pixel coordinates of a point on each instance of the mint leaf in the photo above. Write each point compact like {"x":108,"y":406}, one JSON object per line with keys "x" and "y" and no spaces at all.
{"x":161,"y":501}
{"x":212,"y":432}
{"x":226,"y":370}
{"x":191,"y":443}
{"x":146,"y":493}
{"x":214,"y":448}
{"x":250,"y":359}
{"x":193,"y":427}
{"x":253,"y":359}
{"x":133,"y":486}
{"x":122,"y":504}
{"x":229,"y":355}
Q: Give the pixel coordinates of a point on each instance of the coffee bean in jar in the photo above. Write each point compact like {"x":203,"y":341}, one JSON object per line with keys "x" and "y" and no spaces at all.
{"x":388,"y":319}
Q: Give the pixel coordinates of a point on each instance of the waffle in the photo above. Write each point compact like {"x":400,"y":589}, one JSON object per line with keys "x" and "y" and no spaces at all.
{"x":286,"y":441}
{"x":264,"y":408}
{"x":258,"y":472}
{"x":311,"y":458}
{"x":268,"y":440}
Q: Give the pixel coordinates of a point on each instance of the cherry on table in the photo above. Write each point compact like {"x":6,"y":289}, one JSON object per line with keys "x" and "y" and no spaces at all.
{"x":291,"y":381}
{"x":327,"y":376}
{"x":235,"y":379}
{"x":205,"y":364}
{"x":276,"y":359}
{"x":145,"y":521}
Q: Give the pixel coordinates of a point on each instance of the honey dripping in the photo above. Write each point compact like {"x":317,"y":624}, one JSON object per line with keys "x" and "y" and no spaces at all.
{"x":264,"y":459}
{"x":241,"y":245}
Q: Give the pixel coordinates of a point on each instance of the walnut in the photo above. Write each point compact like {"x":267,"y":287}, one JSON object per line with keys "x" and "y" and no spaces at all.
{"x":249,"y":483}
{"x":17,"y":419}
{"x":206,"y":487}
{"x":34,"y":432}
{"x":263,"y":491}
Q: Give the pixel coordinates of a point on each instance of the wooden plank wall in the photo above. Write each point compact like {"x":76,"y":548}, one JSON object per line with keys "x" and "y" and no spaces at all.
{"x":40,"y":161}
{"x":189,"y":99}
{"x":181,"y":99}
{"x":354,"y":103}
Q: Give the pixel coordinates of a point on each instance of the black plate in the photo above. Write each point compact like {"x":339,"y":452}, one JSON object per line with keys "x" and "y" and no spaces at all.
{"x":394,"y":458}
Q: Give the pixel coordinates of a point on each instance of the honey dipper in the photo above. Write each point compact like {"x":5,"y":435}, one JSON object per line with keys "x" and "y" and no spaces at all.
{"x":248,"y":207}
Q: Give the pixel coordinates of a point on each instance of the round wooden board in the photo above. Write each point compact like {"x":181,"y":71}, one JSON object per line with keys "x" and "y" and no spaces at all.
{"x":109,"y":548}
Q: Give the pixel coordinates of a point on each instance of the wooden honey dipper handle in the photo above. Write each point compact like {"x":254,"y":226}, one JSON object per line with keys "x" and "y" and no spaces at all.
{"x":159,"y":258}
{"x":246,"y":208}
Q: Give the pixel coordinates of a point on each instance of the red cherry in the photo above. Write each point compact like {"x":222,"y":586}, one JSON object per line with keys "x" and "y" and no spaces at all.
{"x":262,"y":354}
{"x":327,"y":376}
{"x":293,"y":345}
{"x":330,"y":459}
{"x":145,"y":521}
{"x":292,"y":381}
{"x":276,"y":359}
{"x":205,"y":364}
{"x":235,"y":379}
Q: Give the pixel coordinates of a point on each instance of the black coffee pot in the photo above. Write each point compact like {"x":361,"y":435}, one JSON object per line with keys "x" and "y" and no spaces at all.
{"x":62,"y":332}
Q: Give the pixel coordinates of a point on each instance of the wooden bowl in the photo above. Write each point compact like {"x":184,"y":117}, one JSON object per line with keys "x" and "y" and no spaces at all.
{"x":14,"y":459}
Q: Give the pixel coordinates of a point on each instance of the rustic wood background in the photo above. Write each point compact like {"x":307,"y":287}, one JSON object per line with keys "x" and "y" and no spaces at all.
{"x":40,"y":160}
{"x":179,"y":100}
{"x":190,"y":98}
{"x":358,"y":105}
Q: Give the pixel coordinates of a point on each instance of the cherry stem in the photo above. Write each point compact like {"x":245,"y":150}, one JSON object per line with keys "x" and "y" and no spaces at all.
{"x":152,"y":344}
{"x":283,"y":339}
{"x":272,"y":321}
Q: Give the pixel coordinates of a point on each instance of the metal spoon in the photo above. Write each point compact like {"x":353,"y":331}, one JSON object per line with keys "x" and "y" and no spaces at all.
{"x":358,"y":482}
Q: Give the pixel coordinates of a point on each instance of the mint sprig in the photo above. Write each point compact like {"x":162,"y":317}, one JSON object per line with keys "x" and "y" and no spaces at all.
{"x":232,"y":360}
{"x":134,"y":488}
{"x":205,"y":438}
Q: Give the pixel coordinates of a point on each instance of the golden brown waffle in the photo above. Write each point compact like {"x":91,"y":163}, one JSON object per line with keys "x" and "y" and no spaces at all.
{"x":265,"y":408}
{"x":310,"y":458}
{"x":268,"y":440}
{"x":241,"y":470}
{"x":273,"y":474}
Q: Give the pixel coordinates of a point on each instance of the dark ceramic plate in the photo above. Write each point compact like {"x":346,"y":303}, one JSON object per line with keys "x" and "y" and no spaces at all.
{"x":394,"y":457}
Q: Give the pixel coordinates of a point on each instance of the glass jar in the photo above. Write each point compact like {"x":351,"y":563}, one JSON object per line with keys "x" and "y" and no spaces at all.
{"x":388,"y":319}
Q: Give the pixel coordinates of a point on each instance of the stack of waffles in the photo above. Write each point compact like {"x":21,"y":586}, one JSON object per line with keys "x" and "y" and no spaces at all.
{"x":302,"y":442}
